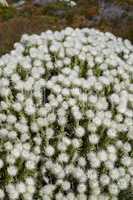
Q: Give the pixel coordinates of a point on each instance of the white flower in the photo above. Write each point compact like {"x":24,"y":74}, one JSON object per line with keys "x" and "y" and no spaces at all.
{"x":102,"y":155}
{"x":81,"y":188}
{"x":77,"y":115}
{"x":30,"y":165}
{"x":12,"y":170}
{"x":126,"y":161}
{"x":63,"y":157}
{"x":92,"y":99}
{"x":111,"y":133}
{"x":104,"y":197}
{"x":15,"y":152}
{"x":97,"y":121}
{"x":95,"y":162}
{"x":21,"y":187}
{"x":72,"y":3}
{"x":10,"y":159}
{"x":12,"y":135}
{"x":92,"y":174}
{"x":111,"y":149}
{"x":11,"y":119}
{"x":66,"y":141}
{"x":92,"y":127}
{"x":114,"y":174}
{"x":37,"y":63}
{"x":56,"y":169}
{"x":52,"y":117}
{"x":82,"y":161}
{"x":78,"y":173}
{"x":10,"y":187}
{"x":49,"y":151}
{"x":79,"y":131}
{"x":2,"y":194}
{"x":70,"y":196}
{"x":90,"y":114}
{"x":104,"y":179}
{"x":112,"y":157}
{"x":93,"y":139}
{"x":61,"y":146}
{"x":109,"y":164}
{"x":115,"y":99}
{"x":17,"y":106}
{"x":66,"y":185}
{"x":14,"y":194}
{"x":30,"y":110}
{"x":30,"y":189}
{"x":96,"y":191}
{"x":34,"y":127}
{"x":59,"y":196}
{"x":76,"y":143}
{"x":130,"y":170}
{"x":8,"y":146}
{"x":29,"y":181}
{"x":24,"y":137}
{"x":93,"y":197}
{"x":62,"y":121}
{"x":122,"y":184}
{"x":28,"y":196}
{"x":113,"y":189}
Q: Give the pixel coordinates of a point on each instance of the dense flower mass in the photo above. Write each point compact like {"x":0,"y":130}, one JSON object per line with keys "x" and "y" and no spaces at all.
{"x":66,"y":117}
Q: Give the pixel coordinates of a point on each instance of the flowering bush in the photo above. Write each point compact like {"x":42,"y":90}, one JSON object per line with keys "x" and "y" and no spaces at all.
{"x":66,"y":117}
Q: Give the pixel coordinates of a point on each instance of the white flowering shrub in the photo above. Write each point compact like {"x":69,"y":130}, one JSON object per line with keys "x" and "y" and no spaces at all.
{"x":66,"y":117}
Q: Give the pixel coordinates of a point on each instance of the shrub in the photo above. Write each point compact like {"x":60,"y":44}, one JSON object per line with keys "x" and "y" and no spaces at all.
{"x":66,"y":116}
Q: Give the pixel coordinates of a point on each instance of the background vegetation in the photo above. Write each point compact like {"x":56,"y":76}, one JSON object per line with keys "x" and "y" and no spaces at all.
{"x":29,"y":18}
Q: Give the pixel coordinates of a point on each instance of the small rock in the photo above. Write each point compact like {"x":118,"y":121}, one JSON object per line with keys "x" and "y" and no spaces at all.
{"x":113,"y":12}
{"x":59,"y":13}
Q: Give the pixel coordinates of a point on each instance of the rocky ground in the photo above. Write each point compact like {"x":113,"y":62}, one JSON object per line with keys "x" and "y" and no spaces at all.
{"x":115,"y":16}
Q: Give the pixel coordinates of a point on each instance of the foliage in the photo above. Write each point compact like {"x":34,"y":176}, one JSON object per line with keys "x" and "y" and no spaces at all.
{"x":7,"y":13}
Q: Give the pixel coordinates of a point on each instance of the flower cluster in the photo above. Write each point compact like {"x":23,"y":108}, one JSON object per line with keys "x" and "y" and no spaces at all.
{"x":66,"y":117}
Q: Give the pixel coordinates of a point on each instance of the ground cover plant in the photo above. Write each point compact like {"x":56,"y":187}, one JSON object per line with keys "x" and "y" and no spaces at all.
{"x":66,"y":117}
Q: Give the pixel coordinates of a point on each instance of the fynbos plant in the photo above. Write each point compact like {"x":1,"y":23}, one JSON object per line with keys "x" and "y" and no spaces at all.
{"x":66,"y":117}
